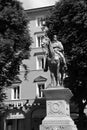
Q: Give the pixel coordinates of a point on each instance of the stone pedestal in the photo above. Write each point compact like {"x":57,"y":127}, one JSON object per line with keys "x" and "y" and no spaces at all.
{"x":58,"y":111}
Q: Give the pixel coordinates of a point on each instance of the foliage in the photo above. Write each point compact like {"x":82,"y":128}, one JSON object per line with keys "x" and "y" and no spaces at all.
{"x":15,"y":41}
{"x":68,"y":20}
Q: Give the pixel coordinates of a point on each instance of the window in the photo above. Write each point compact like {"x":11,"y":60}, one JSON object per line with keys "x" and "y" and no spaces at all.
{"x":41,"y":86}
{"x":40,"y":21}
{"x":16,"y":93}
{"x":39,"y":40}
{"x":40,"y":62}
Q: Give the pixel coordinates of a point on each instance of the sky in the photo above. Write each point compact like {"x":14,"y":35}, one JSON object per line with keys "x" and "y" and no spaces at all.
{"x":29,"y":4}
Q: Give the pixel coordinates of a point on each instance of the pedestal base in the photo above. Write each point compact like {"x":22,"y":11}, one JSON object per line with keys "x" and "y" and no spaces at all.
{"x":57,"y":108}
{"x":65,"y":123}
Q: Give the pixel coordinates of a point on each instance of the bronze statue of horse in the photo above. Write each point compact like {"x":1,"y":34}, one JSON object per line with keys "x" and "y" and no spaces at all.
{"x":55,"y":64}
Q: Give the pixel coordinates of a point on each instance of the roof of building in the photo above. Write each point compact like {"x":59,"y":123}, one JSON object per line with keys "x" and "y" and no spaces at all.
{"x":36,"y":10}
{"x":31,"y":4}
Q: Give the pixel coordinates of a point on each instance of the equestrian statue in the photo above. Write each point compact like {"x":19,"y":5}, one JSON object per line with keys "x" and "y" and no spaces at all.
{"x":55,"y":60}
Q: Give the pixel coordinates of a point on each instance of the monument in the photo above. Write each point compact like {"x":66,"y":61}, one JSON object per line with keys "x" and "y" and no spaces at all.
{"x":57,"y":97}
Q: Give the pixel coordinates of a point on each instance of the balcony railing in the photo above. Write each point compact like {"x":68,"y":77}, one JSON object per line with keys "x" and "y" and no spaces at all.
{"x":10,"y":104}
{"x":24,"y":104}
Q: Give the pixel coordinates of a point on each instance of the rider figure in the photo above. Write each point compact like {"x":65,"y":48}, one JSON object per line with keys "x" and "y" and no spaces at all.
{"x":58,"y":51}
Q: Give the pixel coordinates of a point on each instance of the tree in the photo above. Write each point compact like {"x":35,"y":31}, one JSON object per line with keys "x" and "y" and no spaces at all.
{"x":15,"y":41}
{"x":68,"y":20}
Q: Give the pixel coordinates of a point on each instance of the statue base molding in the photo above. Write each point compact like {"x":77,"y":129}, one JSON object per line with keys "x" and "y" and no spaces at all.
{"x":57,"y":110}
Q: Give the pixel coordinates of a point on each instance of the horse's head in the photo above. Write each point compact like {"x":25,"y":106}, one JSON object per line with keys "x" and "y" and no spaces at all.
{"x":45,"y":42}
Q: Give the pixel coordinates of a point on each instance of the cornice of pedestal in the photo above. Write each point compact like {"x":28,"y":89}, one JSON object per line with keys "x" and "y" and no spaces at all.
{"x":58,"y":93}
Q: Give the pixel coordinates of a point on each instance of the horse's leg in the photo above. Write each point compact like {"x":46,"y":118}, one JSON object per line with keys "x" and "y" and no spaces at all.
{"x":58,"y":75}
{"x":52,"y":79}
{"x":62,"y":72}
{"x":61,"y":80}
